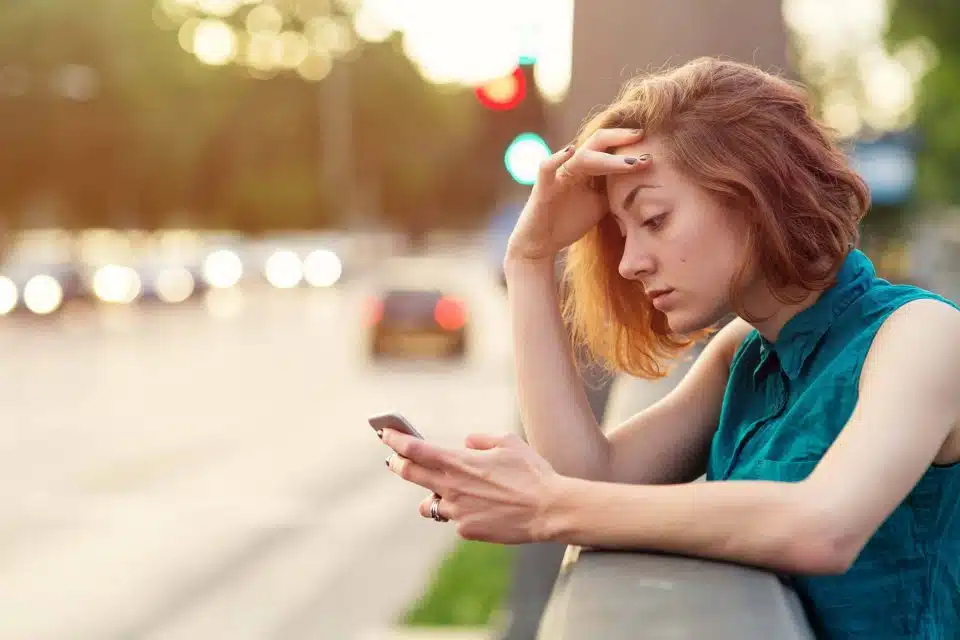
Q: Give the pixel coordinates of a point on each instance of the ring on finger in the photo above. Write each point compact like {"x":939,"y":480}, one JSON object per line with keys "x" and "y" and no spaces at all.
{"x":435,"y":510}
{"x":565,"y":171}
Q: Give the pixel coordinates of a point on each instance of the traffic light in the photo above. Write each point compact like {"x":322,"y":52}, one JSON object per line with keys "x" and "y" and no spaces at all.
{"x":503,"y":94}
{"x":523,"y":157}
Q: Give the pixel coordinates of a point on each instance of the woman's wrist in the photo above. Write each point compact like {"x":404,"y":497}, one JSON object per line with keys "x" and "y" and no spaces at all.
{"x":519,"y":262}
{"x":558,"y":509}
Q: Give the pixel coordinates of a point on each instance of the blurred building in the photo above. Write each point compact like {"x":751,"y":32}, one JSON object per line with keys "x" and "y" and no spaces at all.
{"x":614,"y":40}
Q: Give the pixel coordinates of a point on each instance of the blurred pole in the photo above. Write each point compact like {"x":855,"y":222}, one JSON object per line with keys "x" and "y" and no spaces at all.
{"x":337,"y":162}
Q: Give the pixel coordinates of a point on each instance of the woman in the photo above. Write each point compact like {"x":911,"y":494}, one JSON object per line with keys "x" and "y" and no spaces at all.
{"x":825,"y":416}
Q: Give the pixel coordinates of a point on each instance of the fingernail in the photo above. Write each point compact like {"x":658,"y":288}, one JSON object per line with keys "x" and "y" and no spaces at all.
{"x":644,"y":157}
{"x":630,"y":160}
{"x":567,"y":150}
{"x":380,"y":433}
{"x":387,"y":462}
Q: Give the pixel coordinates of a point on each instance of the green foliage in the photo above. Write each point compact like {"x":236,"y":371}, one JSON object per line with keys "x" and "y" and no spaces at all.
{"x":469,"y":587}
{"x":165,"y":134}
{"x":938,"y":118}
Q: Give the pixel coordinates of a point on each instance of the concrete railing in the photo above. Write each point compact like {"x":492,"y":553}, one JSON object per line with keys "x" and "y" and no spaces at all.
{"x":611,"y":595}
{"x":619,"y":594}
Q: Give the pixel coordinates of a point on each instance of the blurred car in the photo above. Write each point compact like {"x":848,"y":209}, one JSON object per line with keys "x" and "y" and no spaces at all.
{"x":418,"y":322}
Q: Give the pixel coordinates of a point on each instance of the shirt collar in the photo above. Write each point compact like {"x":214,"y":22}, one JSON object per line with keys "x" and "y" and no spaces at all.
{"x":801,"y":334}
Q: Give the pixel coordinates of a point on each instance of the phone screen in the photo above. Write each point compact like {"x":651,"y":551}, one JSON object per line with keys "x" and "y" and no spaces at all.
{"x":394,"y":421}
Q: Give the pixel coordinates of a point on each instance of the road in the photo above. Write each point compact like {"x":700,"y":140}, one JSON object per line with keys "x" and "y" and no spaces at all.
{"x":205,"y":471}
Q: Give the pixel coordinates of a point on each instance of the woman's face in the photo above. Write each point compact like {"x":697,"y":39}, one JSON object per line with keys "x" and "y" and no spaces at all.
{"x":682,"y":245}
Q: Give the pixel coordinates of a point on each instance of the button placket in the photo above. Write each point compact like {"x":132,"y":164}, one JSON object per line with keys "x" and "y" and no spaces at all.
{"x":779,"y":391}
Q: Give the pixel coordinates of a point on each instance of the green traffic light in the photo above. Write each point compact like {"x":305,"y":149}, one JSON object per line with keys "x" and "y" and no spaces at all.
{"x":523,"y":157}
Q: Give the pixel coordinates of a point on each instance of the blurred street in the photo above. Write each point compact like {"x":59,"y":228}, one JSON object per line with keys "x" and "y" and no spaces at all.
{"x":206,"y":471}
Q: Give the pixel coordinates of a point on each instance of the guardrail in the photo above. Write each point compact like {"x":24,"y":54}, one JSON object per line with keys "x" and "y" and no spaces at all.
{"x":614,"y":594}
{"x":609,"y":595}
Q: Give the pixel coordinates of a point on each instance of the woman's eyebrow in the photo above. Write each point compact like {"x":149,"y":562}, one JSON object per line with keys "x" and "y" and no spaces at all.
{"x":628,"y":201}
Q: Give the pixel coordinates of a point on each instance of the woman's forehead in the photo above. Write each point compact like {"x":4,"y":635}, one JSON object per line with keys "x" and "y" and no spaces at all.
{"x":658,"y":173}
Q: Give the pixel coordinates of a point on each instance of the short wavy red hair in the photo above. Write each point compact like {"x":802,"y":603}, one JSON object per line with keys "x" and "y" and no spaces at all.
{"x":750,"y":139}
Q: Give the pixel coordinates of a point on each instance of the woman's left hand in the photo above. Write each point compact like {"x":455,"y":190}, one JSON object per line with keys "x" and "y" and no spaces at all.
{"x":495,"y":490}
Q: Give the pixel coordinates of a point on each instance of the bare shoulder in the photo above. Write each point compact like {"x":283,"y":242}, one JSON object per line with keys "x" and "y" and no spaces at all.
{"x":928,"y":326}
{"x":922,"y":337}
{"x":725,"y":343}
{"x":918,"y":343}
{"x":915,"y":360}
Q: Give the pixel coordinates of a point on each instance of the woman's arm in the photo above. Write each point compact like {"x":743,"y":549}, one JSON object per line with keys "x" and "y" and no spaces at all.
{"x":909,"y":403}
{"x":554,"y":409}
{"x":667,"y":442}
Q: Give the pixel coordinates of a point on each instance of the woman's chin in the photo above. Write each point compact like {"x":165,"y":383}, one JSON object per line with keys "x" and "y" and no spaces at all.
{"x":682,"y":321}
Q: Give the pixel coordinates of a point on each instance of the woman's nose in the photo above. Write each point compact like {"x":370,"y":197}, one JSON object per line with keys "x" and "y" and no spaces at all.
{"x":635,"y":266}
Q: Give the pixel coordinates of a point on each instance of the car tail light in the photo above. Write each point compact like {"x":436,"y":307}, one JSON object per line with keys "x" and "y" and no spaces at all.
{"x":450,"y":313}
{"x":374,"y":311}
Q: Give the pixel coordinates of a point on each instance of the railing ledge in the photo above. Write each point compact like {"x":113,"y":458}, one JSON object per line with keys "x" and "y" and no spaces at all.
{"x":620,"y":594}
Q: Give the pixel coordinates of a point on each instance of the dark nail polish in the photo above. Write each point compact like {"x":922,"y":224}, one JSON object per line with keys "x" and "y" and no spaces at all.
{"x":387,"y":462}
{"x":644,"y":157}
{"x":567,"y":150}
{"x":630,"y":160}
{"x":380,"y":433}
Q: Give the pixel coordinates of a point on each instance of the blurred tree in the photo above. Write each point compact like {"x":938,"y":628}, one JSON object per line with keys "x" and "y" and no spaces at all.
{"x":106,"y":120}
{"x":938,"y":118}
{"x":410,"y":138}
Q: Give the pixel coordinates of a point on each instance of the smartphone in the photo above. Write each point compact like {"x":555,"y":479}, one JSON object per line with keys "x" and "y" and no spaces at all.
{"x":393,"y":420}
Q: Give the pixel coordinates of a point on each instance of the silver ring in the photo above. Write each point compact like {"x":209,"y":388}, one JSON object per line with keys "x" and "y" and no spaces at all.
{"x":435,"y":510}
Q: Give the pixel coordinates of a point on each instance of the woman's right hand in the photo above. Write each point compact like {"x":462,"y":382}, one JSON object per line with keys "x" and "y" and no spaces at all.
{"x":562,"y":206}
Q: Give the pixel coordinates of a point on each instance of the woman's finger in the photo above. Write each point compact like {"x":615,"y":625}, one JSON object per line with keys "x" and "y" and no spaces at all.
{"x":444,"y":508}
{"x":415,"y":473}
{"x":606,"y":139}
{"x":548,"y":168}
{"x":585,"y":163}
{"x":422,"y":452}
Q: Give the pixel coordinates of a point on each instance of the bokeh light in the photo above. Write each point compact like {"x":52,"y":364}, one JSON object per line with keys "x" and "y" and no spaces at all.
{"x":322,"y":268}
{"x":222,"y":269}
{"x":219,"y":8}
{"x":265,"y":18}
{"x":330,"y":34}
{"x":524,"y":155}
{"x":174,"y":284}
{"x":8,"y":295}
{"x":265,"y":51}
{"x":214,"y":42}
{"x":284,"y":270}
{"x":448,"y":41}
{"x":315,"y":67}
{"x":294,"y":47}
{"x":42,"y":294}
{"x":117,"y":284}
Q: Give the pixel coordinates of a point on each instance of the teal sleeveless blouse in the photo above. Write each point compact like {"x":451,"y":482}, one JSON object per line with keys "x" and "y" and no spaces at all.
{"x":785,"y":403}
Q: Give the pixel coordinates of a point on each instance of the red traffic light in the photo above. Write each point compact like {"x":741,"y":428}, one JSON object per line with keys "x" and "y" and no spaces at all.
{"x":503,"y":93}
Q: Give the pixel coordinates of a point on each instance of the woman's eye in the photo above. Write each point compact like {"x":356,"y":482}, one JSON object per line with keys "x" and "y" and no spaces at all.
{"x":655,"y":222}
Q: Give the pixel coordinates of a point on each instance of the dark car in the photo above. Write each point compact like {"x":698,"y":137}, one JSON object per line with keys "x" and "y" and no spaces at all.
{"x":418,"y":322}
